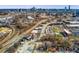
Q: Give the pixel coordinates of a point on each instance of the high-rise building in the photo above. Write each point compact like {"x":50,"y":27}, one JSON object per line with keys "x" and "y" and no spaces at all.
{"x":69,"y":7}
{"x":65,"y":8}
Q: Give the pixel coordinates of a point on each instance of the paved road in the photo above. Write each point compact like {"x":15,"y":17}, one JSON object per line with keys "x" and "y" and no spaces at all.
{"x":26,"y":47}
{"x":43,"y":30}
{"x":28,"y":31}
{"x":8,"y":36}
{"x":16,"y":38}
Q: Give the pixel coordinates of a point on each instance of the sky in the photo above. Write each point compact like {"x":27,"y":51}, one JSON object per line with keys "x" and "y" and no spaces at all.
{"x":38,"y":6}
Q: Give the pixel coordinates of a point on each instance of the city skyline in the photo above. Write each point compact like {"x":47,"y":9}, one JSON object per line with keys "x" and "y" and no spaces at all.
{"x":38,"y":6}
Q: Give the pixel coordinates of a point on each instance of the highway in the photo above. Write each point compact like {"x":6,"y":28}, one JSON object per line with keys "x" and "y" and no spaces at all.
{"x":17,"y":37}
{"x":8,"y":36}
{"x":24,"y":49}
{"x":29,"y":31}
{"x":43,"y":30}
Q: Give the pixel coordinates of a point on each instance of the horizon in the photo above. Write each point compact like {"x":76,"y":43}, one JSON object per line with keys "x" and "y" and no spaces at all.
{"x":38,"y":6}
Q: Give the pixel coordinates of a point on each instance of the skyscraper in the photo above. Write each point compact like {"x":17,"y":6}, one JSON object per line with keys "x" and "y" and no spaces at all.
{"x":69,"y":7}
{"x":65,"y":8}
